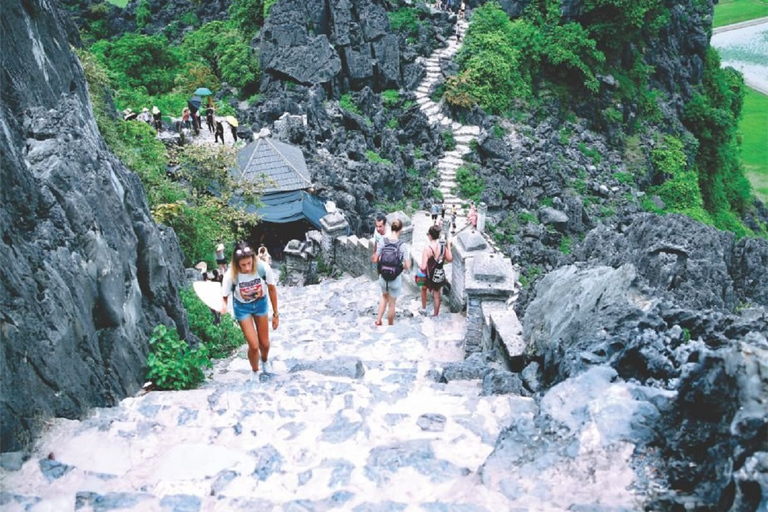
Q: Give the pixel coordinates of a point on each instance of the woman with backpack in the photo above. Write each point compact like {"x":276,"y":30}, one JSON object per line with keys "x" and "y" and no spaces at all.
{"x":391,"y":259}
{"x":433,"y":257}
{"x":249,"y":281}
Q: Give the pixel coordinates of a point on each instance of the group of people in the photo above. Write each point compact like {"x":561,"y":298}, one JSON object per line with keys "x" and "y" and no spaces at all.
{"x":249,"y":282}
{"x":438,"y":209}
{"x":391,"y":259}
{"x":155,"y":119}
{"x":457,"y":6}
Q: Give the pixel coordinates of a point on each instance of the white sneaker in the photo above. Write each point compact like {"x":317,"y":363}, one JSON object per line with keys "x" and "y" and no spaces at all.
{"x":266,"y":367}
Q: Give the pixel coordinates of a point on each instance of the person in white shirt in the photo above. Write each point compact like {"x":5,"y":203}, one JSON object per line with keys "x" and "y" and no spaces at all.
{"x":249,"y":281}
{"x":379,"y":234}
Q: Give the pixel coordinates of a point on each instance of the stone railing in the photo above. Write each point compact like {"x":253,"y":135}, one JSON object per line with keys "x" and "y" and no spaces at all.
{"x":481,"y":280}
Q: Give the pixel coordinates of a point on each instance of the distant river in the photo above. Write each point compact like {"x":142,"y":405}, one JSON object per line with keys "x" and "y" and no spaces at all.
{"x":745,"y":47}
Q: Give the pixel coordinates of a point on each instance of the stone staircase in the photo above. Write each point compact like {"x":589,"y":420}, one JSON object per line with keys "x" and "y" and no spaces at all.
{"x":354,"y":418}
{"x":462,"y":134}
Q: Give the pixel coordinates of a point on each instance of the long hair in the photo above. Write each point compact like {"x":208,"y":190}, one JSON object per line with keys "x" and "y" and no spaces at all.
{"x":237,"y":255}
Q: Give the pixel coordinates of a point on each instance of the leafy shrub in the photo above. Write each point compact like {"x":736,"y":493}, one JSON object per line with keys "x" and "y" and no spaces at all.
{"x":448,"y":141}
{"x":406,"y":20}
{"x":247,"y":15}
{"x":590,"y":153}
{"x":374,"y":157}
{"x":224,"y":49}
{"x":437,"y":93}
{"x":390,"y":98}
{"x":138,"y":60}
{"x":712,"y":116}
{"x":143,"y":14}
{"x":527,"y":218}
{"x":680,"y":190}
{"x":171,"y":363}
{"x":348,"y":104}
{"x":470,"y":185}
{"x":220,"y":339}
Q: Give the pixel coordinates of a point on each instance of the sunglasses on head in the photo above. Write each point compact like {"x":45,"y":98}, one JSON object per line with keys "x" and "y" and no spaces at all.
{"x":243,"y":253}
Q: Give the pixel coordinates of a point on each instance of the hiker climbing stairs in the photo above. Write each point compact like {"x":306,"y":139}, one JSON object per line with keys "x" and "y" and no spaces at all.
{"x":354,"y":417}
{"x":462,"y":134}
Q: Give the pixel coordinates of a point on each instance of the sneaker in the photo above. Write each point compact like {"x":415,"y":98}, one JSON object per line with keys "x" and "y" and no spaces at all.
{"x":253,"y":381}
{"x":266,"y":367}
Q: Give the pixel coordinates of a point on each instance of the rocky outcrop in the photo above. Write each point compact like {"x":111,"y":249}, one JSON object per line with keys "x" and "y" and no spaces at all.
{"x":651,"y":301}
{"x":87,"y":274}
{"x":345,"y":44}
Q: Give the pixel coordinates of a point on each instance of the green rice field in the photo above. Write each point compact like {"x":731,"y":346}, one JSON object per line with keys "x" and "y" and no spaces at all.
{"x":754,"y":146}
{"x":728,"y":12}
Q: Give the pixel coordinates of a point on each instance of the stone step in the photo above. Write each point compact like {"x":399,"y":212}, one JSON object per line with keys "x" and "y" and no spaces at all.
{"x":431,"y":110}
{"x":464,"y":137}
{"x":451,"y":158}
{"x":467,"y":129}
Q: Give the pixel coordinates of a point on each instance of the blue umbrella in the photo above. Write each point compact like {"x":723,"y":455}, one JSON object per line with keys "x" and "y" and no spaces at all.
{"x":194,"y":103}
{"x":203,"y":91}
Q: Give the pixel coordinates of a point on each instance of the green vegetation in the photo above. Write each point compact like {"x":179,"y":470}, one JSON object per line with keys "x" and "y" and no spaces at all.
{"x":590,"y":153}
{"x":754,"y":141}
{"x":728,"y":12}
{"x":565,"y":245}
{"x":390,"y":98}
{"x":172,"y":364}
{"x":249,"y":15}
{"x":527,"y":218}
{"x":348,"y":104}
{"x":470,"y":185}
{"x":222,"y":49}
{"x":221,"y":339}
{"x":405,"y":20}
{"x":500,"y":57}
{"x":139,"y":61}
{"x":375,"y":158}
{"x":712,"y":116}
{"x":199,"y":218}
{"x":448,"y":141}
{"x":680,"y":190}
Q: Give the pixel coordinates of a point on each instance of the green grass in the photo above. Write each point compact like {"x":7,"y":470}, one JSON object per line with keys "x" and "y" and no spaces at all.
{"x":728,"y":12}
{"x":119,"y":3}
{"x":754,"y":145}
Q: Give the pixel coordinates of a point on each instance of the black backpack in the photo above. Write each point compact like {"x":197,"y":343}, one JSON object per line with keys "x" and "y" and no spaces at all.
{"x":390,"y":264}
{"x":436,"y":272}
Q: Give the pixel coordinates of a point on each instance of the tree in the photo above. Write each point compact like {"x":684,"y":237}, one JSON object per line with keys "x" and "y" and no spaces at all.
{"x":138,"y":60}
{"x":224,"y":50}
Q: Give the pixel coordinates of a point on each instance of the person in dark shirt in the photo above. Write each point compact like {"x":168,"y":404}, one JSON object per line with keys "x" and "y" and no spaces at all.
{"x":219,"y":131}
